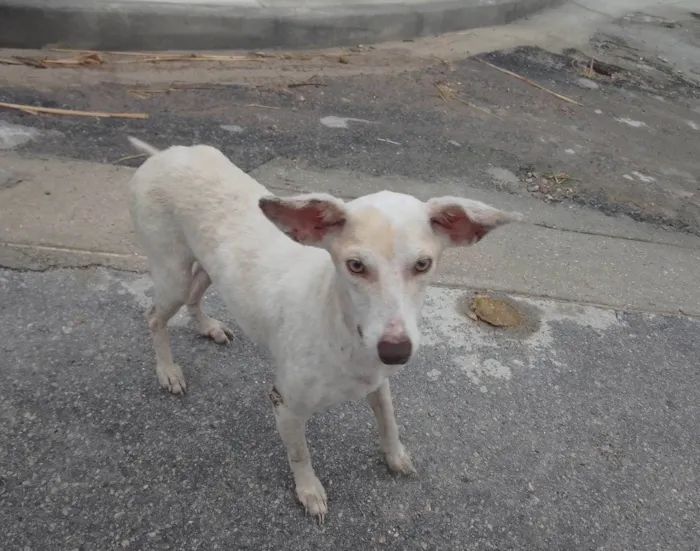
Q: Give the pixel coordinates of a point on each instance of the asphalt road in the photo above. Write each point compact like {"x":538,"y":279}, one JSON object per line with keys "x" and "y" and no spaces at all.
{"x":629,"y":147}
{"x":577,"y":432}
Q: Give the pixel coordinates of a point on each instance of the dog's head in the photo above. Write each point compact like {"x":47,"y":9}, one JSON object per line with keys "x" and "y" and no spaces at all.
{"x":385,"y":247}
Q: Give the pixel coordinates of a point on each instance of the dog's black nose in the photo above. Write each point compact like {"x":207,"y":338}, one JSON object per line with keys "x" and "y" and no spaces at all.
{"x":394,"y":353}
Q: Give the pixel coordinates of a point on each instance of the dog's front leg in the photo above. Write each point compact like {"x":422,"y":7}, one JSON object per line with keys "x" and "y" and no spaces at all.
{"x":291,"y":427}
{"x":395,"y":455}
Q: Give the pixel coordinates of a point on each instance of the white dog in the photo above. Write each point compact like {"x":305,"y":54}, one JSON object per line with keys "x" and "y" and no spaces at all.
{"x":335,"y":295}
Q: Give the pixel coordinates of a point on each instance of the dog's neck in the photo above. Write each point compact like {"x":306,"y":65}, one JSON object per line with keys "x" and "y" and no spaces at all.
{"x":333,"y":301}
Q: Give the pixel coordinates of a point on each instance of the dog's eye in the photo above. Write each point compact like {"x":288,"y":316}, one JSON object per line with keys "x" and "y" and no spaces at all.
{"x":423,"y":265}
{"x":356,"y":266}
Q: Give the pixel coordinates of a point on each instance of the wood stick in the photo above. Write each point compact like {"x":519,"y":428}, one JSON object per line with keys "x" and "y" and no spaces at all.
{"x":527,"y":80}
{"x":186,"y":58}
{"x":129,"y":158}
{"x":70,"y":112}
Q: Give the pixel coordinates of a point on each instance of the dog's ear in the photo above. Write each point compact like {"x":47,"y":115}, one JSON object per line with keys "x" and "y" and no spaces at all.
{"x":463,"y":221}
{"x":308,"y":219}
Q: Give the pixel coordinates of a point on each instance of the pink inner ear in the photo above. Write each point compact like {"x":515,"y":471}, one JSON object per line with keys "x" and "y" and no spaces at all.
{"x":456,"y":224}
{"x":309,"y":223}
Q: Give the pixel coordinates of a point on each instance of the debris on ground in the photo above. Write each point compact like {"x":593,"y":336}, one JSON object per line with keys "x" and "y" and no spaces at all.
{"x":495,"y":312}
{"x":447,"y":93}
{"x":145,"y":93}
{"x":308,"y":82}
{"x":528,"y":81}
{"x":129,"y":158}
{"x":34,"y":110}
{"x":550,"y":185}
{"x":89,"y":58}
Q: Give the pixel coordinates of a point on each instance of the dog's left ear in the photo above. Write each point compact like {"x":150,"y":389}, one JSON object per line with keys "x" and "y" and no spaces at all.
{"x":308,"y":219}
{"x":465,"y":222}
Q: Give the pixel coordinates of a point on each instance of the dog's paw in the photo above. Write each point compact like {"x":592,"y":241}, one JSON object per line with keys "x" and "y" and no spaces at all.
{"x":216,"y":331}
{"x":399,"y":461}
{"x":171,"y":378}
{"x":313,"y":497}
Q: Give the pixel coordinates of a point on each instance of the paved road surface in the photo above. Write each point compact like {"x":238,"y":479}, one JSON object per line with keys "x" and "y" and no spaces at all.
{"x":578,"y":432}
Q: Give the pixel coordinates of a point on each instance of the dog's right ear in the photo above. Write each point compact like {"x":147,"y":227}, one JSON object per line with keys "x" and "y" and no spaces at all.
{"x":308,"y":219}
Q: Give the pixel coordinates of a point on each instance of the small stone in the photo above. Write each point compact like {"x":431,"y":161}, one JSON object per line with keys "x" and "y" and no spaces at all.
{"x":533,"y":188}
{"x":455,"y":143}
{"x":8,"y":179}
{"x":232,"y":128}
{"x":587,"y":83}
{"x":434,"y":374}
{"x":503,"y":176}
{"x":14,"y":135}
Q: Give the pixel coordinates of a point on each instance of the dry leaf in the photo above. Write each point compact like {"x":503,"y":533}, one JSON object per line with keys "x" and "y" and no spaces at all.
{"x":496,"y":312}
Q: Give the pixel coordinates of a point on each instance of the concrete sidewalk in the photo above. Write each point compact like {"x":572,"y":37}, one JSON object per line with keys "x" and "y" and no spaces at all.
{"x":248,"y":24}
{"x":61,"y":213}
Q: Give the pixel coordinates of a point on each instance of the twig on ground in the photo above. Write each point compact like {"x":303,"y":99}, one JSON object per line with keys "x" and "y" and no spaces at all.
{"x":129,"y":158}
{"x":45,"y":63}
{"x":307,"y":82}
{"x":80,"y":61}
{"x":446,"y":93}
{"x":262,"y":106}
{"x":144,"y":93}
{"x":69,"y":50}
{"x":187,"y":57}
{"x":33,"y":110}
{"x":443,"y":61}
{"x":528,"y":81}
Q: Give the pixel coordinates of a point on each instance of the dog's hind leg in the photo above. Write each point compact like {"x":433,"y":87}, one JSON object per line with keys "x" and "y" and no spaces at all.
{"x":206,"y":326}
{"x":171,"y":281}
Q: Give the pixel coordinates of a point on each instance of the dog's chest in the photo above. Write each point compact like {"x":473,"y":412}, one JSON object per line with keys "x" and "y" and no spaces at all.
{"x":345,"y":388}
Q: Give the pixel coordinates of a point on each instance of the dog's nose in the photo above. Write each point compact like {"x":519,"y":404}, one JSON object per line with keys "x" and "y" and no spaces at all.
{"x":394,"y":352}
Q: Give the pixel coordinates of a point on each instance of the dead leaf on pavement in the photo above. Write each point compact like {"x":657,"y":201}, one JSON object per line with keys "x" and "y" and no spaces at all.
{"x":496,"y":312}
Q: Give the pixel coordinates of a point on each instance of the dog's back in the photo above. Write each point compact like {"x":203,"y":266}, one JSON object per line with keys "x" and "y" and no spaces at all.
{"x":190,"y":175}
{"x":196,"y":192}
{"x":191,"y":204}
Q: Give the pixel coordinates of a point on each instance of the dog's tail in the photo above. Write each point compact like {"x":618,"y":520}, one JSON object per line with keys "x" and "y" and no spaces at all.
{"x":143,"y":147}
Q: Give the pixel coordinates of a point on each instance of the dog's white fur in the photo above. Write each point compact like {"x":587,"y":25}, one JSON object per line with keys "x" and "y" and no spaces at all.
{"x":202,"y":220}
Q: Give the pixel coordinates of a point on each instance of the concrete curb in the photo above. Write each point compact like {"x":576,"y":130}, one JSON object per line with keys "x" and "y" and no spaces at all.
{"x":561,"y":253}
{"x":234,"y":24}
